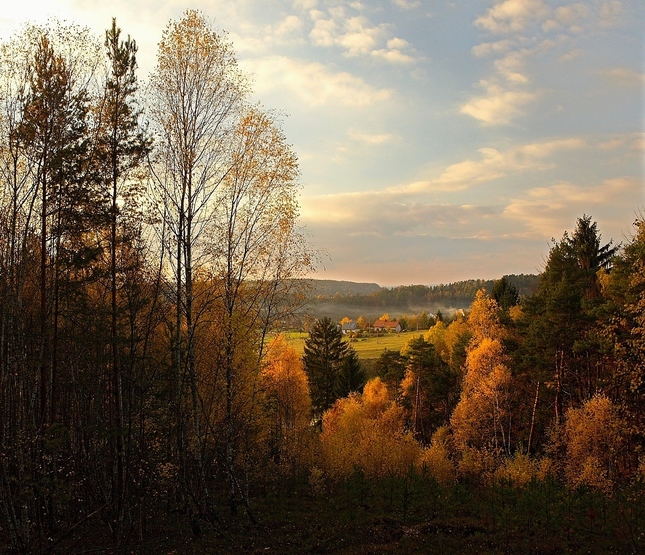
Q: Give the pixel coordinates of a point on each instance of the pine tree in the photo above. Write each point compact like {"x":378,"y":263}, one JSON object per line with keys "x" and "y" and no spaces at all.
{"x":323,"y":359}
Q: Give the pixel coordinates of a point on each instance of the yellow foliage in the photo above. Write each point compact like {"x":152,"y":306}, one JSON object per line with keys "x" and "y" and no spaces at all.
{"x":479,"y":465}
{"x":478,"y":417}
{"x":593,"y":436}
{"x":367,"y":432}
{"x":484,"y":317}
{"x":453,"y":333}
{"x":437,"y":336}
{"x":516,"y":313}
{"x":518,"y":470}
{"x":436,"y":458}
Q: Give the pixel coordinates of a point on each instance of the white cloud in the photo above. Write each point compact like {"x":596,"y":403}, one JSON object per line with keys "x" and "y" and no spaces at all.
{"x":370,"y":138}
{"x":313,"y":83}
{"x":510,"y":16}
{"x":499,"y":105}
{"x":610,"y":13}
{"x":494,"y":164}
{"x":571,"y":55}
{"x":288,"y":27}
{"x":487,"y":48}
{"x":357,"y":36}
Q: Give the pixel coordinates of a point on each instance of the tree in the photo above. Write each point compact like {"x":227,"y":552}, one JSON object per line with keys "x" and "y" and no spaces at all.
{"x":196,"y":93}
{"x":505,"y":294}
{"x":561,"y":343}
{"x":367,"y":432}
{"x":288,"y":403}
{"x":593,"y":437}
{"x":323,"y":358}
{"x":351,"y":377}
{"x":429,"y":388}
{"x":123,"y":147}
{"x":481,"y":417}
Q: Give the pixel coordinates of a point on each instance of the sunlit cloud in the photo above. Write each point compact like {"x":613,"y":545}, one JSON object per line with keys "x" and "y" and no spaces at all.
{"x":407,"y":4}
{"x":370,"y":139}
{"x":499,"y":106}
{"x":512,"y":16}
{"x":545,"y":209}
{"x":314,"y":84}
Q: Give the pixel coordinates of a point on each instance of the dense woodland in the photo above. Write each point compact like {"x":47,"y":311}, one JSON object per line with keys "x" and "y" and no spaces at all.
{"x":148,"y":250}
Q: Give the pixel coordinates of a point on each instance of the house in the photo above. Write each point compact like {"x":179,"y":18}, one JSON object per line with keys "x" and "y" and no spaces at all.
{"x":386,"y":325}
{"x":349,"y":327}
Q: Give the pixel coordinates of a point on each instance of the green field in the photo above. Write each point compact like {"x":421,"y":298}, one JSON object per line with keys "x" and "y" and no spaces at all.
{"x":366,"y":347}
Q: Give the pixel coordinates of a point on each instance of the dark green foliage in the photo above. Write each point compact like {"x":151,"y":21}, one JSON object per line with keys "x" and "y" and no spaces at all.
{"x":432,"y":397}
{"x":325,"y":352}
{"x":390,"y":367}
{"x":351,"y":377}
{"x":560,"y":343}
{"x":505,"y":293}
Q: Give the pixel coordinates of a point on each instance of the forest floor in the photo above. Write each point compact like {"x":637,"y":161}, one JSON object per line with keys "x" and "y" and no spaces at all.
{"x":404,"y":517}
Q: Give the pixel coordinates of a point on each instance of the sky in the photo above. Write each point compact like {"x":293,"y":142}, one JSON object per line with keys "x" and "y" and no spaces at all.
{"x":438,"y":140}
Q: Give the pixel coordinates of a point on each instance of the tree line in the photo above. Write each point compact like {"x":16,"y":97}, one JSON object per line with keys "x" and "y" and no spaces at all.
{"x":148,"y":241}
{"x":458,"y":294}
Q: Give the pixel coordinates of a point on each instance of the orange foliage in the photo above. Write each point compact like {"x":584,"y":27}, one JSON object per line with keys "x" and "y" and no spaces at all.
{"x":288,"y":402}
{"x":366,"y":432}
{"x":594,"y":437}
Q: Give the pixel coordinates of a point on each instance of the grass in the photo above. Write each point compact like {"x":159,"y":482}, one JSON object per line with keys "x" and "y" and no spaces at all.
{"x":366,"y":347}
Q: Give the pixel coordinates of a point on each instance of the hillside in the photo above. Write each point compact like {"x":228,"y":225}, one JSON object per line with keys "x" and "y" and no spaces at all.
{"x":337,"y":299}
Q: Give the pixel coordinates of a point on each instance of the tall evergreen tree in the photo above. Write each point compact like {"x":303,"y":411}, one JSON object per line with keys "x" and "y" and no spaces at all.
{"x":325,"y":352}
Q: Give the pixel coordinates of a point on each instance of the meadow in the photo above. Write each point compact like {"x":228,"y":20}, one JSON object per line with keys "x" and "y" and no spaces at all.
{"x":367,"y":347}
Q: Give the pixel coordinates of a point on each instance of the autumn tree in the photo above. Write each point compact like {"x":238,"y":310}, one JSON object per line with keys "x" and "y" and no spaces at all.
{"x":287,"y":401}
{"x":481,"y":418}
{"x":593,"y":438}
{"x":195,"y":95}
{"x":256,"y":250}
{"x":367,"y":432}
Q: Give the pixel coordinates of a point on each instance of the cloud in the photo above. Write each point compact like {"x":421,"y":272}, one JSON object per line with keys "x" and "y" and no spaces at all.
{"x":357,"y":36}
{"x":494,"y":164}
{"x":314,"y":84}
{"x":499,"y":105}
{"x":610,"y":13}
{"x":398,"y":51}
{"x":544,"y":210}
{"x":624,"y":76}
{"x":407,"y":4}
{"x":370,"y":139}
{"x":487,"y":48}
{"x":512,"y":16}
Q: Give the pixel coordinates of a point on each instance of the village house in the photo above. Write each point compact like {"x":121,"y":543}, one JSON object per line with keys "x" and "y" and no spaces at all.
{"x":386,"y":325}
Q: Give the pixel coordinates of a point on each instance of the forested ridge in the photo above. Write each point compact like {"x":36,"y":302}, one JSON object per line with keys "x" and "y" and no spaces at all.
{"x":457,"y":294}
{"x":149,"y":250}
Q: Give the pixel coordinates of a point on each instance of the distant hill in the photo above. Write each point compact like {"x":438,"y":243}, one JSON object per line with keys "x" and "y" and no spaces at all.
{"x":337,"y":299}
{"x":329,"y":288}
